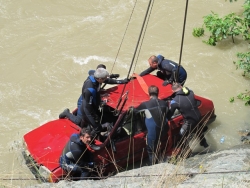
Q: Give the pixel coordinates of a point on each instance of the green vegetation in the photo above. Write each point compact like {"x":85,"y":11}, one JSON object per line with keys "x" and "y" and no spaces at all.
{"x":245,"y":97}
{"x":244,"y":63}
{"x":229,"y":26}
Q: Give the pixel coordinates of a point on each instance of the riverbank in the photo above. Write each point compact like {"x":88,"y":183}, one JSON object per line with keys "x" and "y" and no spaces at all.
{"x":227,"y":168}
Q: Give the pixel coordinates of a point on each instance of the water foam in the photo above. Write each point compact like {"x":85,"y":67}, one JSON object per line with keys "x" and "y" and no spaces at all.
{"x":93,"y":19}
{"x":84,"y":61}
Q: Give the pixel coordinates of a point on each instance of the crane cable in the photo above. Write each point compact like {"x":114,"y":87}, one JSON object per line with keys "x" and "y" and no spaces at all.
{"x":135,"y":52}
{"x":183,"y":34}
{"x":139,"y":39}
{"x":123,"y":36}
{"x":144,"y":34}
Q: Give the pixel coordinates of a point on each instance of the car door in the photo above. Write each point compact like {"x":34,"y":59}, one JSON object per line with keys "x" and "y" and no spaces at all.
{"x":130,"y":142}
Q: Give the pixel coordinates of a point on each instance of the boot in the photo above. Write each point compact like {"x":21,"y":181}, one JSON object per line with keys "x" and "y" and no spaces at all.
{"x":95,"y":147}
{"x":64,"y":114}
{"x":203,"y":143}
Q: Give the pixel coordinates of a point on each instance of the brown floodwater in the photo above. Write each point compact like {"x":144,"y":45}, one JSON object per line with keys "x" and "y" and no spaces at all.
{"x":47,"y":48}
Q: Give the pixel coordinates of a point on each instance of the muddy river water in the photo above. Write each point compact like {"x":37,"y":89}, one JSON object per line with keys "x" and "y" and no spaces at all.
{"x":47,"y":48}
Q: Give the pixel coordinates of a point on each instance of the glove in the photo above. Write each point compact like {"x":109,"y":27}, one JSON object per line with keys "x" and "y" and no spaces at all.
{"x":165,"y":83}
{"x":96,"y":131}
{"x":126,"y":80}
{"x":114,"y":76}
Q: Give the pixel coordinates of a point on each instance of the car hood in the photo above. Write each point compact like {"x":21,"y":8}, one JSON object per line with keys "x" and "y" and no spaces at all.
{"x":46,"y":142}
{"x":137,"y":91}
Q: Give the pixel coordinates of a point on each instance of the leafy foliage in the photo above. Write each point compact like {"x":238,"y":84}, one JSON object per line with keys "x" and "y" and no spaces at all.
{"x":231,"y":99}
{"x":231,"y":25}
{"x":246,"y":12}
{"x":221,"y":28}
{"x":245,"y":97}
{"x":197,"y":32}
{"x":244,"y":63}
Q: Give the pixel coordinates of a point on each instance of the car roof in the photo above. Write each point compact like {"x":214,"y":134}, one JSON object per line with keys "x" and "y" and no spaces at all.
{"x":137,"y":90}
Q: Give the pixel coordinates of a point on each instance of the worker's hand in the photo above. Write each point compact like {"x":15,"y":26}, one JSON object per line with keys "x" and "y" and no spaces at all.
{"x":165,"y":83}
{"x":126,"y":80}
{"x":114,"y":76}
{"x":96,"y":131}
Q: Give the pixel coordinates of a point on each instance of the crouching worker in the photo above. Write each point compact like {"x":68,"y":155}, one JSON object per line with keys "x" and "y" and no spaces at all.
{"x":156,"y":122}
{"x":76,"y":159}
{"x":185,"y":102}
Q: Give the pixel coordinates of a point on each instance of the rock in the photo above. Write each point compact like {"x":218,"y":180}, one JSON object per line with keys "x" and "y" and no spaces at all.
{"x":245,"y":136}
{"x":227,"y":168}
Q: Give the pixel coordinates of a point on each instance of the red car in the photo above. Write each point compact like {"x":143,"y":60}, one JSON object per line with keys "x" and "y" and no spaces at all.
{"x":126,"y":142}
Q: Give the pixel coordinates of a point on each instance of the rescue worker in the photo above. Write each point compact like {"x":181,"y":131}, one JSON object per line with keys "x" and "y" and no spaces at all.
{"x":155,"y":120}
{"x":167,"y":70}
{"x":78,"y":117}
{"x":76,"y":159}
{"x":185,"y":102}
{"x":91,"y":99}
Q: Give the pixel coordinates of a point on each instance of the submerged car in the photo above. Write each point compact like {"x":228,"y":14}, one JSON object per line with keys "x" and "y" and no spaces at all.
{"x":123,"y":145}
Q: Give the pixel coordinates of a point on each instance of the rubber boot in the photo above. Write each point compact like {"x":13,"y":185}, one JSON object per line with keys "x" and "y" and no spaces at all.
{"x":64,"y":114}
{"x":203,"y":142}
{"x":94,"y":147}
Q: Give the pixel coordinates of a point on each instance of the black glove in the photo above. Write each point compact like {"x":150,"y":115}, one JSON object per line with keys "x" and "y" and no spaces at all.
{"x":96,"y":131}
{"x":126,"y":80}
{"x":114,"y":76}
{"x":165,"y":83}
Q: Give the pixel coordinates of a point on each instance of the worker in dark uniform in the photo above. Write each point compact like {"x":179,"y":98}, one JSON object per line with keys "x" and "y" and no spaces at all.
{"x":76,"y":159}
{"x":77,"y":118}
{"x":167,"y":70}
{"x":185,"y":102}
{"x":156,"y":121}
{"x":91,"y":99}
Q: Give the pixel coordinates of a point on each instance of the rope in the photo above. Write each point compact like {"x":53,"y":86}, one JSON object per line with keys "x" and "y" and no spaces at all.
{"x":183,"y":34}
{"x":135,"y":52}
{"x":123,"y":36}
{"x":139,"y":39}
{"x":144,"y":34}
